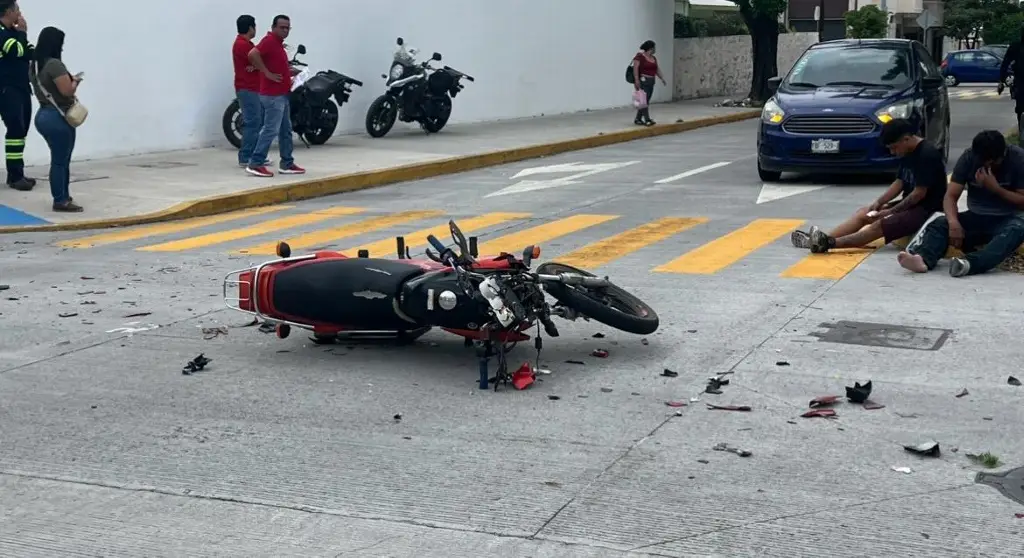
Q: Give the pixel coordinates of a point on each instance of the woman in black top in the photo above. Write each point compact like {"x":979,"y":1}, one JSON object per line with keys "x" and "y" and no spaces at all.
{"x":55,"y":89}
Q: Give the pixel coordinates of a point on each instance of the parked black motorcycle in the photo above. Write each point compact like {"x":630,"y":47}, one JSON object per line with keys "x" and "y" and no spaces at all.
{"x":415,"y":93}
{"x":314,"y":116}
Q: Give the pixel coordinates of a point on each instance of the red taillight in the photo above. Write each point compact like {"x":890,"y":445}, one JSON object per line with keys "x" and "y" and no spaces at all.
{"x":245,"y":290}
{"x":945,"y":62}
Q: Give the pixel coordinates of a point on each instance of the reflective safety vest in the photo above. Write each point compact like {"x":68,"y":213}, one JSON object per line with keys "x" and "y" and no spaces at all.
{"x":15,"y":54}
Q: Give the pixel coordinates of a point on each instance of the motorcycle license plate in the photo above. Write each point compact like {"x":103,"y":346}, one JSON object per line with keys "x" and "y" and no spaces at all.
{"x":824,"y":146}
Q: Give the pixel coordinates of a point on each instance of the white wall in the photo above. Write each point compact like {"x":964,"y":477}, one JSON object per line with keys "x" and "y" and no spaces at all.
{"x":159,"y":73}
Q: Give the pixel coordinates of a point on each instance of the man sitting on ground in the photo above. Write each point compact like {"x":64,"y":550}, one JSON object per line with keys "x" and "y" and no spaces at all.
{"x":922,"y":180}
{"x":993,"y":173}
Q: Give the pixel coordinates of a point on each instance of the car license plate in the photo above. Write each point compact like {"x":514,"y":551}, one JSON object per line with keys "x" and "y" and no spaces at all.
{"x":824,"y":146}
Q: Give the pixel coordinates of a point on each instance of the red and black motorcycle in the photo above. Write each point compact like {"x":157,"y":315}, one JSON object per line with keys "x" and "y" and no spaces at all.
{"x":489,"y":301}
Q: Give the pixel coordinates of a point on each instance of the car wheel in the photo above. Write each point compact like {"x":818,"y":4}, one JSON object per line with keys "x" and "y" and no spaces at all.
{"x":951,"y":81}
{"x":767,"y":175}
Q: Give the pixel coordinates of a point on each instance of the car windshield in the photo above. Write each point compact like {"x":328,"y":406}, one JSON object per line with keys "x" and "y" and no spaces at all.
{"x":877,"y":66}
{"x":999,"y":51}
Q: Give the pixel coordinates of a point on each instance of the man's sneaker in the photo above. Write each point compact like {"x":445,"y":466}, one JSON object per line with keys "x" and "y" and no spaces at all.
{"x":819,"y":241}
{"x":959,"y":267}
{"x":266,"y":163}
{"x":292,"y":169}
{"x":800,"y":239}
{"x":259,"y":171}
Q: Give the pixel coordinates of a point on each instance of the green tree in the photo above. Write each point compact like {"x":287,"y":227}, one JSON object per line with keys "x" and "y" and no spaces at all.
{"x":1003,"y":31}
{"x":868,"y":22}
{"x":762,"y":20}
{"x":967,"y":20}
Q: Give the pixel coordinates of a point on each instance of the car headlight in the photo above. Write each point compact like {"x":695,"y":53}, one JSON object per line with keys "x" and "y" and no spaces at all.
{"x":772,"y":113}
{"x":898,"y":110}
{"x":397,"y":71}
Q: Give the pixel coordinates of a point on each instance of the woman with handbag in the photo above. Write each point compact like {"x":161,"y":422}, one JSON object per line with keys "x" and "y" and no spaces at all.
{"x":59,"y":112}
{"x":645,"y":69}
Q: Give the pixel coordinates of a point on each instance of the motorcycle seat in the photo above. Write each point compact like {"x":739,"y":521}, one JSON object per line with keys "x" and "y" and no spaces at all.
{"x":342,"y":291}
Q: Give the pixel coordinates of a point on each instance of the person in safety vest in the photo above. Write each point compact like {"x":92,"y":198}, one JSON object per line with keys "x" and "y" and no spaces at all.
{"x":15,"y":93}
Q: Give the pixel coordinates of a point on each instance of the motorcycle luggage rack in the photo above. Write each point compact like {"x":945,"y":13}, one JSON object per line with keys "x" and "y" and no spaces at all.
{"x":253,"y":300}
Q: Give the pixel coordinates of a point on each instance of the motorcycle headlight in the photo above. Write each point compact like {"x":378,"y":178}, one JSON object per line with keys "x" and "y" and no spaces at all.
{"x":898,"y":110}
{"x":772,"y":113}
{"x":396,"y":71}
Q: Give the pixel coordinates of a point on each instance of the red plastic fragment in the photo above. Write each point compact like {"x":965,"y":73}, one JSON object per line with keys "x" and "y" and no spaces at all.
{"x":872,"y":406}
{"x":522,"y":378}
{"x":1019,"y":515}
{"x":599,"y":353}
{"x":819,"y":413}
{"x":823,"y":401}
{"x":676,"y":403}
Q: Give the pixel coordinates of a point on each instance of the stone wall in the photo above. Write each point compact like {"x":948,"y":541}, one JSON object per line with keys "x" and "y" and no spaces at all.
{"x":722,"y":66}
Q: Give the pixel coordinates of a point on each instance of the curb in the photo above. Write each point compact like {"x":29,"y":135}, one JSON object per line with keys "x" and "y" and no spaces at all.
{"x":371,"y":179}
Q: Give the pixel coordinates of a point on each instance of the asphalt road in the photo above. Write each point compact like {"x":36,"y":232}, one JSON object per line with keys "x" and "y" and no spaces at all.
{"x":284,"y":448}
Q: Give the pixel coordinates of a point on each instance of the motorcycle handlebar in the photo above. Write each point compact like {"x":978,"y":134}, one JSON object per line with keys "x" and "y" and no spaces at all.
{"x":436,"y":244}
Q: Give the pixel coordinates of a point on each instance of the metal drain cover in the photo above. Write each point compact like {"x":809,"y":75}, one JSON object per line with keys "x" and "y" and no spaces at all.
{"x":1008,"y":483}
{"x":892,"y":336}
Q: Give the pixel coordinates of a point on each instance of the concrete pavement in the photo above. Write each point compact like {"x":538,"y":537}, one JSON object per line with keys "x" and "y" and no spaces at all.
{"x":127,"y":191}
{"x":284,"y":448}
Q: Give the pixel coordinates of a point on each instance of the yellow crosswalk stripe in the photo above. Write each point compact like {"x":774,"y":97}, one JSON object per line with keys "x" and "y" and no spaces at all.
{"x":419,"y":238}
{"x":612,"y":248}
{"x":835,"y":264}
{"x":729,"y":249}
{"x":156,"y":229}
{"x":327,"y":236}
{"x":514,"y":243}
{"x":255,"y":230}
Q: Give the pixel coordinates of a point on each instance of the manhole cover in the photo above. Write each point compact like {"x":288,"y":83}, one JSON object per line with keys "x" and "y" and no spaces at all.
{"x":892,"y":336}
{"x":1008,"y":483}
{"x":163,"y":165}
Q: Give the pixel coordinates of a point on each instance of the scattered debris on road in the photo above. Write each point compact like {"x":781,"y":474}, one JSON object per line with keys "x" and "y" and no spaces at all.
{"x":904,"y":470}
{"x":859,"y":393}
{"x":730,"y":449}
{"x":575,"y":362}
{"x":823,"y":413}
{"x":742,"y":408}
{"x":138,"y":315}
{"x":1013,"y":381}
{"x":987,"y":459}
{"x":669,"y":373}
{"x":67,"y":314}
{"x":4,"y":287}
{"x":212,"y":332}
{"x":195,"y":365}
{"x":599,"y":353}
{"x":676,"y":403}
{"x":963,"y":393}
{"x":823,"y":401}
{"x":781,"y":363}
{"x":524,"y":377}
{"x":715,"y":384}
{"x":598,"y":335}
{"x":927,"y":449}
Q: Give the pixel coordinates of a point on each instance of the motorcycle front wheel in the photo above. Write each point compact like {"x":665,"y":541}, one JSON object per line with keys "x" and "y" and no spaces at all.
{"x":324,"y":125}
{"x":613,"y":306}
{"x":231,"y":122}
{"x":381,"y":115}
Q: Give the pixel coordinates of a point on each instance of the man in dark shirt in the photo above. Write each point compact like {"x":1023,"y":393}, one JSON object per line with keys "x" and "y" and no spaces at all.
{"x":15,"y":93}
{"x":921,"y":179}
{"x":247,"y":87}
{"x":993,"y":173}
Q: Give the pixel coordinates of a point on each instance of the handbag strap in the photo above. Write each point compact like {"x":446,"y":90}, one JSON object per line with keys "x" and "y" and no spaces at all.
{"x":46,"y":93}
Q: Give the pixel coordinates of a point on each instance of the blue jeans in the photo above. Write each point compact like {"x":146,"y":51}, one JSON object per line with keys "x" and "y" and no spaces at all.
{"x":277,"y":121}
{"x":60,"y":136}
{"x":252,"y":119}
{"x":1002,"y":235}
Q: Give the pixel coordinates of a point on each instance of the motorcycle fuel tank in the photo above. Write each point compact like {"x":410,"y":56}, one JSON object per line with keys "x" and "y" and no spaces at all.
{"x":437,"y":299}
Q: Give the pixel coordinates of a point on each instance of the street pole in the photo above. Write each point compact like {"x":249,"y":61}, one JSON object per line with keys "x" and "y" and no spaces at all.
{"x":821,"y":20}
{"x":885,"y":10}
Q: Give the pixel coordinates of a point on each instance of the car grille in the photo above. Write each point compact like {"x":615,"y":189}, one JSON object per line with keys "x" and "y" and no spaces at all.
{"x":828,"y":125}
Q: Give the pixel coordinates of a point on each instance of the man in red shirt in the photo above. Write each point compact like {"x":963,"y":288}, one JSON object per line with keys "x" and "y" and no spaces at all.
{"x":247,"y":87}
{"x":270,"y":58}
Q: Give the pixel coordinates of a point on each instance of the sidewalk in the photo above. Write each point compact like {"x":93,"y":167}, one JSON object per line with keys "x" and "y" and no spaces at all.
{"x":180,"y":184}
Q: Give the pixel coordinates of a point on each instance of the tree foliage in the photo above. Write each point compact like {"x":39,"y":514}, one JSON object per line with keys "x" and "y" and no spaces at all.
{"x":868,"y":22}
{"x":762,"y":20}
{"x":1003,"y":31}
{"x":970,"y":20}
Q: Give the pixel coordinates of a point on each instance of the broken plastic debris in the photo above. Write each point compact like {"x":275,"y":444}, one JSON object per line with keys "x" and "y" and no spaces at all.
{"x":554,"y":397}
{"x":138,"y":315}
{"x":823,"y":401}
{"x":904,"y":470}
{"x":195,"y":365}
{"x":929,"y":449}
{"x":669,"y":373}
{"x":781,"y":363}
{"x":872,"y":406}
{"x":599,"y":353}
{"x":1019,"y":515}
{"x":67,"y":314}
{"x":575,"y":362}
{"x":598,"y":336}
{"x":211,"y":332}
{"x":743,"y":408}
{"x":644,"y":341}
{"x":819,"y":413}
{"x":715,"y":384}
{"x":963,"y":393}
{"x":523,"y":377}
{"x":1013,"y":381}
{"x":4,"y":287}
{"x":730,"y":449}
{"x":676,"y":403}
{"x":859,"y":393}
{"x":397,"y":417}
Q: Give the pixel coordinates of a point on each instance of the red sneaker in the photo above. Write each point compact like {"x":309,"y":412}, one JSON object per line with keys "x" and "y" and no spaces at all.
{"x":293,"y":169}
{"x":259,"y":171}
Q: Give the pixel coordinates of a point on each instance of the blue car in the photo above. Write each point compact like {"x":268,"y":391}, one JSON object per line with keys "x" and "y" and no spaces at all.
{"x":971,"y":66}
{"x":826,"y":114}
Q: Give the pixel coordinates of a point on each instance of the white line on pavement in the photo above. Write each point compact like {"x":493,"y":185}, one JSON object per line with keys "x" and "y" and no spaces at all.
{"x":690,"y":173}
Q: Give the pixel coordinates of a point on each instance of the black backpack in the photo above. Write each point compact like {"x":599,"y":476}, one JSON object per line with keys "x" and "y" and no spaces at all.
{"x":629,"y":72}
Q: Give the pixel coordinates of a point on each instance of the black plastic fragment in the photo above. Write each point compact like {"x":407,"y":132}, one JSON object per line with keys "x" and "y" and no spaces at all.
{"x":195,"y":365}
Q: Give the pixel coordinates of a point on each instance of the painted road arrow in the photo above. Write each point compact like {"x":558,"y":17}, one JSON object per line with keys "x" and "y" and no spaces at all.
{"x":580,"y":170}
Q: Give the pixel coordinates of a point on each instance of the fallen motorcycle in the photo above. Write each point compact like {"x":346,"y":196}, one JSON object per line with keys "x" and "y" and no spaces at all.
{"x":489,"y":301}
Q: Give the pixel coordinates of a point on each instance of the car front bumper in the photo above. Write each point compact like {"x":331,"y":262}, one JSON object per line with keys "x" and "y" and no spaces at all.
{"x":780,"y":151}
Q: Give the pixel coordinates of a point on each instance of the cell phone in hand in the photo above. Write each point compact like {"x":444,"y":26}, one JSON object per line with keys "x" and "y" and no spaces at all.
{"x":79,"y":76}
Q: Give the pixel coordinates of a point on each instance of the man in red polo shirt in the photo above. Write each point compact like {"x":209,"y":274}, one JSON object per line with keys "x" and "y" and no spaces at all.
{"x":270,"y":58}
{"x":247,"y":87}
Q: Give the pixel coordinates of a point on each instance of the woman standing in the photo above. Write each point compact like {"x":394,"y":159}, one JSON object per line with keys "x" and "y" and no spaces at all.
{"x":55,"y":89}
{"x":645,"y":69}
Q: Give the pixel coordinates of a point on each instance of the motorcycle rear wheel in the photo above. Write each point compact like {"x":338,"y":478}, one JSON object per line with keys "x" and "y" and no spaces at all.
{"x":328,"y":121}
{"x":613,"y":306}
{"x":231,"y":122}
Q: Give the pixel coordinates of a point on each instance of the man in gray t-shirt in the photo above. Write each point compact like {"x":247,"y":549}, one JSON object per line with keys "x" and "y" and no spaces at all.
{"x":993,"y":173}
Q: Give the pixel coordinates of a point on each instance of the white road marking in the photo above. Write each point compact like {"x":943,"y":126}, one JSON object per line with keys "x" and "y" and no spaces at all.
{"x":690,"y":173}
{"x":581,"y":171}
{"x":772,"y":192}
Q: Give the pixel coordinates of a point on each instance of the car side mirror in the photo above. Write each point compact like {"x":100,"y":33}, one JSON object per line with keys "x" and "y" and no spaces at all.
{"x":436,"y":56}
{"x":400,"y":41}
{"x":932,"y":82}
{"x":773,"y":83}
{"x":302,"y":49}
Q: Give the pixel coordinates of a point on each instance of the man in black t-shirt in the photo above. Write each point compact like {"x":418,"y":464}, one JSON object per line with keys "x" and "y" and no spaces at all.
{"x":922,"y":181}
{"x":993,"y":173}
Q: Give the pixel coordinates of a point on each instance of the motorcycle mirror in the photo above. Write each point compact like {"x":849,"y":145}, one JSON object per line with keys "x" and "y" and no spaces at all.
{"x":436,"y":56}
{"x":400,"y":41}
{"x":531,"y":253}
{"x":302,"y":49}
{"x":459,"y":239}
